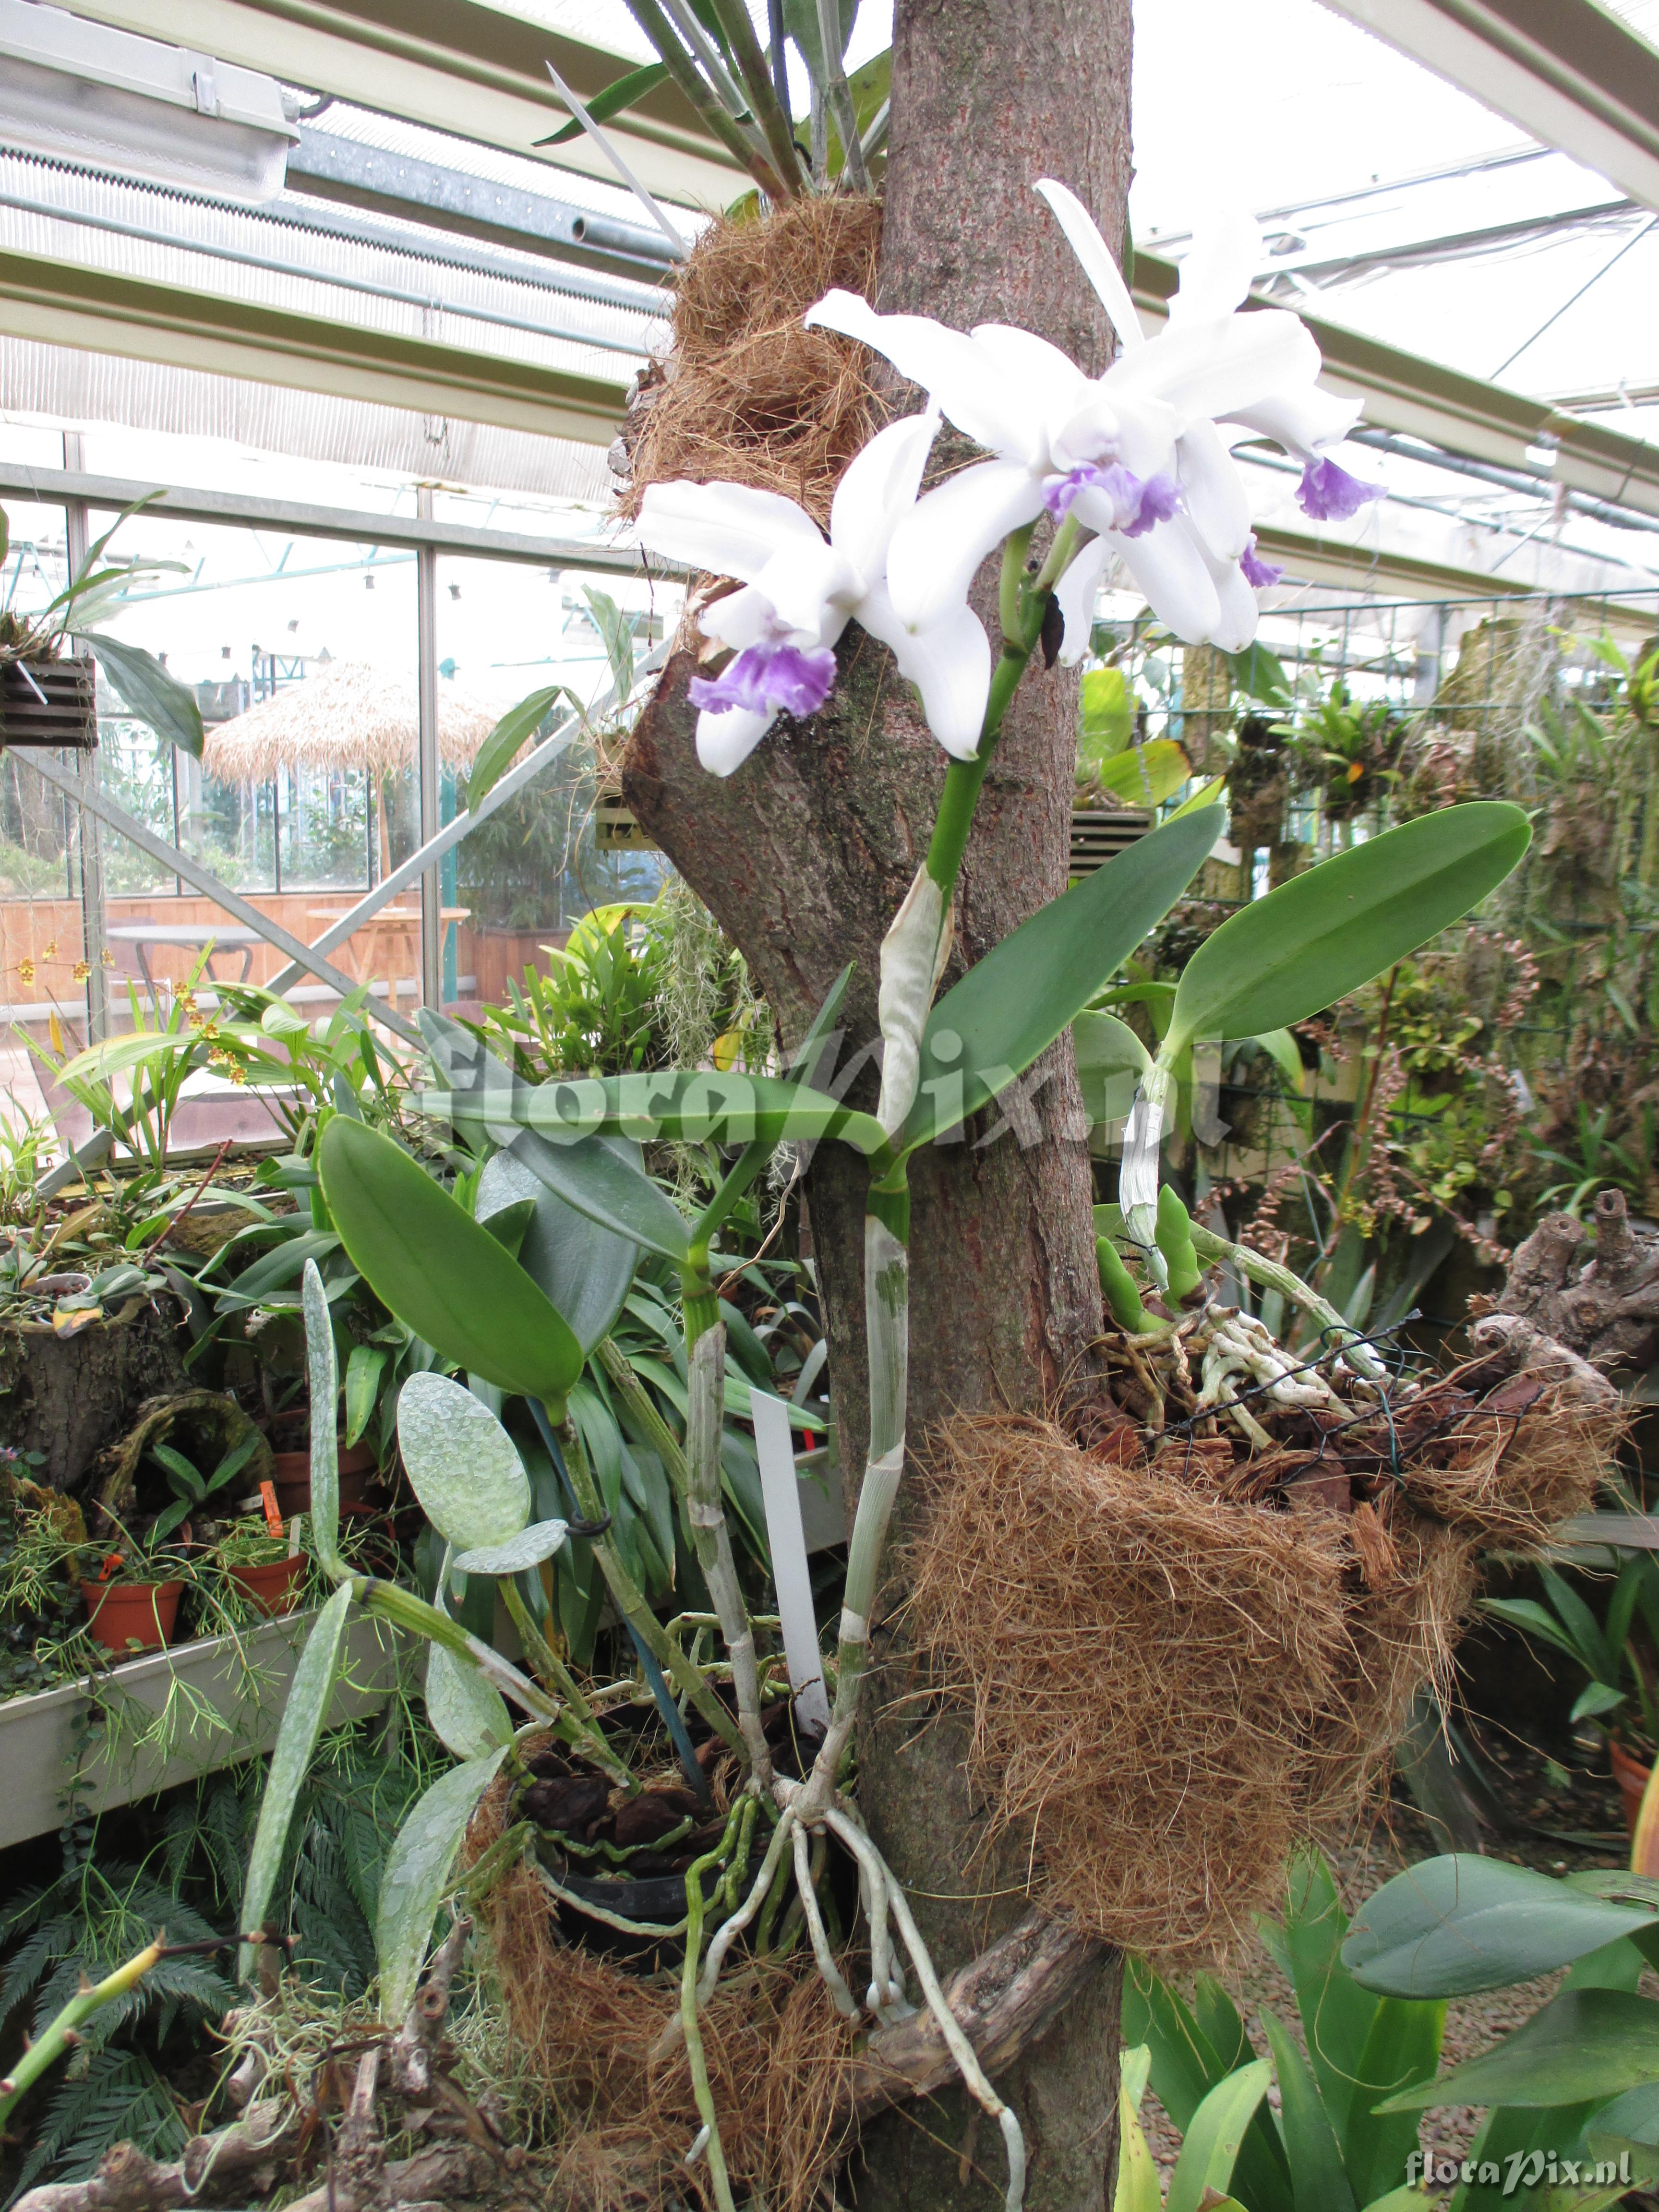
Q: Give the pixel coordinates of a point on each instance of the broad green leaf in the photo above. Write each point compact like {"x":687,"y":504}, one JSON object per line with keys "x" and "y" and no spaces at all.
{"x":1218,"y":2016}
{"x":612,"y":100}
{"x":1535,"y":1619}
{"x":149,"y":694}
{"x":1584,"y":2045}
{"x":1139,"y":2186}
{"x":468,"y":1714}
{"x":416,"y":1875}
{"x":325,"y":1448}
{"x":362,"y":1387}
{"x":1010,"y":1007}
{"x":584,"y":1268}
{"x":1337,"y":2015}
{"x":1212,"y":2142}
{"x":1325,"y":933}
{"x":1185,"y":2068}
{"x":1111,"y":1062}
{"x":1316,"y":2170}
{"x":1259,"y":675}
{"x":463,"y":1466}
{"x":514,"y":1553}
{"x":442,"y":1275}
{"x":1106,"y":717}
{"x":1402,"y":2047}
{"x":495,"y":755}
{"x":1629,"y":2126}
{"x":309,"y":1696}
{"x":1455,"y":1924}
{"x":1144,"y":775}
{"x":1511,"y":2133}
{"x":691,"y":1105}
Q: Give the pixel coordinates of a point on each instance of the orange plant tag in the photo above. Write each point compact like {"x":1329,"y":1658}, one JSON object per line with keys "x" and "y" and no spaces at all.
{"x":273,"y":1518}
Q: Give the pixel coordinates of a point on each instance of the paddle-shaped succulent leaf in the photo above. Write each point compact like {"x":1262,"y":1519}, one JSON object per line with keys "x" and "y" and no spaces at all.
{"x":516,"y":1554}
{"x":467,"y":1713}
{"x":1010,"y":1007}
{"x":1327,"y":933}
{"x":441,"y":1273}
{"x":309,"y":1696}
{"x":461,"y":1463}
{"x":416,"y":1874}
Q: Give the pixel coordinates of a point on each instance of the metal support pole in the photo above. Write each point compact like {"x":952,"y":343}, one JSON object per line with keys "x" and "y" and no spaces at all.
{"x":426,"y":601}
{"x":89,"y":845}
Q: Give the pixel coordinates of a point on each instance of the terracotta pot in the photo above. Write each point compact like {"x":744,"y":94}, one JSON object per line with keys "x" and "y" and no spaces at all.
{"x":120,"y":1613}
{"x":291,"y":1475}
{"x":274,"y":1584}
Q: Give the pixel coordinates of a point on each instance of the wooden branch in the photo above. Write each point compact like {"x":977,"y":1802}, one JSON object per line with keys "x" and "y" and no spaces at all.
{"x":415,"y":2047}
{"x":246,"y":2153}
{"x":443,"y":2175}
{"x":1005,"y":2000}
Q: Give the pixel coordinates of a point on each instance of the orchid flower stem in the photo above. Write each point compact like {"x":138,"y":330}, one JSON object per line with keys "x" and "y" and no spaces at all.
{"x":53,"y":2041}
{"x":706,"y":1373}
{"x":630,"y":1603}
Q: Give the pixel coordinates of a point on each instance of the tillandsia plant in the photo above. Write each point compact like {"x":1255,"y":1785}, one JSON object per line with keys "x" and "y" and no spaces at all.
{"x":1130,"y":465}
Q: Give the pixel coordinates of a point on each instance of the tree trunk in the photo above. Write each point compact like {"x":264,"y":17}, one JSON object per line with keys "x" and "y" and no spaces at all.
{"x":804,"y":856}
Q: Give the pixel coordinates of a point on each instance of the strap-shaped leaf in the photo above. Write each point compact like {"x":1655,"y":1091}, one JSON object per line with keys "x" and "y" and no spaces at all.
{"x":418,"y":1873}
{"x":686,"y":1105}
{"x":514,"y":1553}
{"x":494,"y":756}
{"x":325,"y":1449}
{"x":467,"y":1713}
{"x":1213,"y":2136}
{"x":1009,"y":1008}
{"x":1327,"y":933}
{"x":1310,"y":2142}
{"x":441,"y":1273}
{"x":1585,"y":2045}
{"x":149,"y":693}
{"x":461,"y":1463}
{"x":1458,"y":1923}
{"x":309,"y":1697}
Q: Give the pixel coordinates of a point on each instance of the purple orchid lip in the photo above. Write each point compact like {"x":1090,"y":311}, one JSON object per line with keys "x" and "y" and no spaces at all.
{"x":1330,"y":494}
{"x":1137,"y":504}
{"x":1258,"y":574}
{"x":767,"y":678}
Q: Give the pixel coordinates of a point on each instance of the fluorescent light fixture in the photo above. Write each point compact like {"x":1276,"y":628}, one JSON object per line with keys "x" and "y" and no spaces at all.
{"x":105,"y":98}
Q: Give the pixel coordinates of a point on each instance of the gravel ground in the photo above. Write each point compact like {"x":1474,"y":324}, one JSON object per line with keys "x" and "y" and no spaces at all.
{"x":1473,"y":2024}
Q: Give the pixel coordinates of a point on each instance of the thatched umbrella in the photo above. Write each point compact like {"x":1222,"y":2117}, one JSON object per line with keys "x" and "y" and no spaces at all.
{"x":347,"y":716}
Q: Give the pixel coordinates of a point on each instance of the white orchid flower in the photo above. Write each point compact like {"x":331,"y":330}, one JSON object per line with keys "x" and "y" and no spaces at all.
{"x":800,"y":593}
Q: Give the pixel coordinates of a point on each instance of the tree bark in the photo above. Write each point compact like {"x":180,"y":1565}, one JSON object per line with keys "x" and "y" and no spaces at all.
{"x":804,"y":856}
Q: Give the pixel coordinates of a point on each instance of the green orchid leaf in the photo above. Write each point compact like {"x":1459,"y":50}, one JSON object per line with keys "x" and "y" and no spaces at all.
{"x":1584,"y":2045}
{"x":443,"y":1275}
{"x":463,"y":1466}
{"x":324,"y":1451}
{"x":1328,"y":932}
{"x":1402,"y":2047}
{"x":1629,"y":2126}
{"x":527,"y":1549}
{"x":613,"y":101}
{"x":416,"y":1874}
{"x":1111,"y":1062}
{"x":495,"y":755}
{"x":362,"y":1387}
{"x":149,"y":693}
{"x":1337,"y":2015}
{"x":468,"y":1714}
{"x":1010,"y":1007}
{"x":310,"y":1694}
{"x":691,"y":1106}
{"x":586,"y":1270}
{"x":1259,"y":675}
{"x":1213,"y":2136}
{"x":1459,"y":1923}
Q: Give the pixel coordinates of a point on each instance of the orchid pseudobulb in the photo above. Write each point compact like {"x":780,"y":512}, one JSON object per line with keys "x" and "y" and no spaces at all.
{"x":798,"y":594}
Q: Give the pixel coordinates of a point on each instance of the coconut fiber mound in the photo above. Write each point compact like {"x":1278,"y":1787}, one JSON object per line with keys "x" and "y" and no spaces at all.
{"x":747,"y":396}
{"x":622,"y":2095}
{"x":1523,"y":1460}
{"x":1145,"y":1663}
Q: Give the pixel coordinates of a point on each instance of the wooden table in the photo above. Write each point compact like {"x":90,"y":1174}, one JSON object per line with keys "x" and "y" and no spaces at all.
{"x":212,"y":938}
{"x":378,"y":935}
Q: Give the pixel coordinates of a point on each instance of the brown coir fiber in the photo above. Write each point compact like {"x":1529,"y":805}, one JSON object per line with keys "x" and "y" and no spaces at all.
{"x":1511,"y":1478}
{"x":1145,"y":1663}
{"x":748,"y":396}
{"x":626,"y":2116}
{"x":1399,"y":1634}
